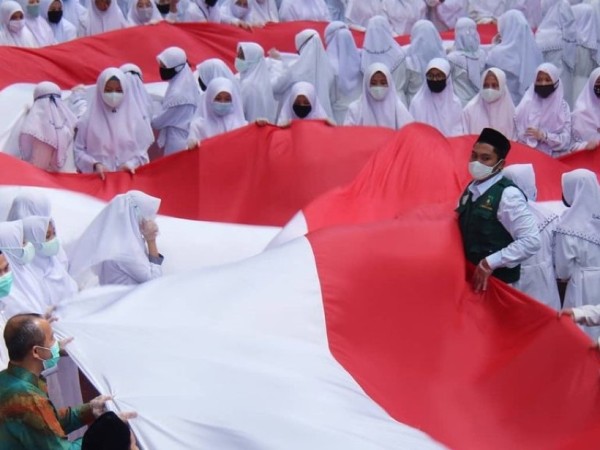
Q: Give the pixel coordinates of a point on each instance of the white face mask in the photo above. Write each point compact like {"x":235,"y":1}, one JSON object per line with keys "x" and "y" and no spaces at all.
{"x":480,"y":171}
{"x":112,"y":99}
{"x":50,"y":248}
{"x":378,"y":92}
{"x":145,"y":13}
{"x":490,"y":95}
{"x":16,"y":25}
{"x":239,"y":12}
{"x":28,"y":254}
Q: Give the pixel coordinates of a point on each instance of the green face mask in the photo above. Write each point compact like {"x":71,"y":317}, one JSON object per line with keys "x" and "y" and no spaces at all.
{"x":53,"y":361}
{"x":6,"y":281}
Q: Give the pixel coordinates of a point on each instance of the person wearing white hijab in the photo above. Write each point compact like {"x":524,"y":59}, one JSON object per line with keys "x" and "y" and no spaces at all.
{"x":47,"y":133}
{"x":200,"y":11}
{"x":143,"y":12}
{"x":444,"y":14}
{"x":128,"y":254}
{"x":208,"y":70}
{"x":556,"y":37}
{"x":435,"y":103}
{"x":486,"y":11}
{"x":425,"y":45}
{"x":492,"y":107}
{"x":345,"y":59}
{"x":105,"y":15}
{"x":379,"y":105}
{"x":312,"y":66}
{"x":588,"y":45}
{"x":238,"y":12}
{"x":316,"y":10}
{"x":586,"y":114}
{"x":53,"y":12}
{"x":537,"y":279}
{"x":223,"y":112}
{"x":517,"y":54}
{"x":263,"y":11}
{"x":467,"y":60}
{"x":543,"y":118}
{"x":577,"y":241}
{"x":301,"y":103}
{"x":179,"y":103}
{"x":531,"y":9}
{"x":112,"y":135}
{"x":36,"y":23}
{"x":12,"y":26}
{"x":401,"y":14}
{"x":257,"y":92}
{"x":135,"y":81}
{"x":76,"y":14}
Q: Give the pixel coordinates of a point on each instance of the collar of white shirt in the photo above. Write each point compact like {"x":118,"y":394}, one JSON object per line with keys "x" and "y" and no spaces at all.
{"x":477,"y":189}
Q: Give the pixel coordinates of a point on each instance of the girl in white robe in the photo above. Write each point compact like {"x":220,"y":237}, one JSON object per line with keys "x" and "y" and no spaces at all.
{"x":112,"y":135}
{"x":537,"y":279}
{"x":588,"y":45}
{"x":135,"y":79}
{"x":36,"y":23}
{"x":517,"y":54}
{"x":467,"y":60}
{"x":586,"y":114}
{"x":103,"y":20}
{"x":53,"y":12}
{"x":179,"y":104}
{"x":143,"y":13}
{"x":316,"y":10}
{"x":76,"y":14}
{"x":577,"y":241}
{"x":492,"y":107}
{"x":47,"y":133}
{"x":12,"y":26}
{"x":439,"y":108}
{"x":127,"y":230}
{"x":379,"y":105}
{"x":302,"y":103}
{"x":208,"y":70}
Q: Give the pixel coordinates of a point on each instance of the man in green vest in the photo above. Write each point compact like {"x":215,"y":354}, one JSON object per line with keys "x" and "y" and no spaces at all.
{"x":498,"y":230}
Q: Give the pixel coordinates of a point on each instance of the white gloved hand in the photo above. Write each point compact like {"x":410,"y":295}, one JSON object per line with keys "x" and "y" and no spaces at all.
{"x":149,"y":229}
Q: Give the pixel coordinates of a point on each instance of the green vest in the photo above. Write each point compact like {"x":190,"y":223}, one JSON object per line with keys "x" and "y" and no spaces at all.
{"x":482,"y":232}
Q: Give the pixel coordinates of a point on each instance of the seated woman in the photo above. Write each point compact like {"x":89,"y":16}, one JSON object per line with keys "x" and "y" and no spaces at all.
{"x":543,"y":118}
{"x":379,"y":104}
{"x":492,"y":107}
{"x":586,"y":115}
{"x":129,"y":254}
{"x":47,"y":133}
{"x":302,"y":103}
{"x":223,"y":112}
{"x":12,"y":26}
{"x":62,"y":29}
{"x":112,"y":135}
{"x":435,"y":103}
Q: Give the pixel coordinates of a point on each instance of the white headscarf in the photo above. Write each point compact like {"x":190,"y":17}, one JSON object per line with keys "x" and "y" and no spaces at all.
{"x":263,"y":11}
{"x":51,"y":272}
{"x":441,"y":110}
{"x":64,"y":30}
{"x":135,"y":80}
{"x":114,"y":134}
{"x":208,"y":70}
{"x":586,"y":114}
{"x":403,"y":14}
{"x":479,"y":114}
{"x":257,"y":92}
{"x":103,"y":21}
{"x":38,"y":26}
{"x":467,"y":52}
{"x":23,"y":38}
{"x":344,"y":56}
{"x":425,"y":45}
{"x":548,"y":113}
{"x":50,"y":121}
{"x":580,"y":190}
{"x":114,"y":235}
{"x":380,"y":46}
{"x":212,"y":124}
{"x":183,"y":88}
{"x":588,"y":29}
{"x":304,"y":10}
{"x":133,"y":15}
{"x":518,"y":53}
{"x":287,"y":113}
{"x":557,"y":30}
{"x":389,"y":112}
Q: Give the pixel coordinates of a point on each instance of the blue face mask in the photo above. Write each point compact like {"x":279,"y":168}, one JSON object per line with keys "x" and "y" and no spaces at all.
{"x":6,"y":281}
{"x":52,"y":362}
{"x":222,"y":109}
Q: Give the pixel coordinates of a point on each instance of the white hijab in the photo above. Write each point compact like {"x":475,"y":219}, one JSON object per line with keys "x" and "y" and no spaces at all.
{"x":183,"y":88}
{"x":63,"y":30}
{"x":212,"y":124}
{"x":557,"y":30}
{"x":479,"y":114}
{"x":316,"y":10}
{"x":134,"y":18}
{"x":136,"y":84}
{"x":425,"y":45}
{"x":287,"y":113}
{"x":588,"y":29}
{"x":114,"y":133}
{"x":263,"y":11}
{"x":518,"y":53}
{"x":389,"y":112}
{"x":38,"y":26}
{"x":380,"y":46}
{"x":344,"y":56}
{"x":586,"y":114}
{"x":580,"y":190}
{"x":208,"y":70}
{"x":22,"y":38}
{"x":50,"y":121}
{"x":467,"y":51}
{"x":114,"y":235}
{"x":440,"y":110}
{"x":257,"y":92}
{"x":103,"y":21}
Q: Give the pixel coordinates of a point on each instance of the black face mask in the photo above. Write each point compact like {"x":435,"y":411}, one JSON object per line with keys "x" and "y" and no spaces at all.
{"x":302,"y":110}
{"x":545,"y":90}
{"x":167,"y":74}
{"x":597,"y":91}
{"x":163,"y":8}
{"x":565,"y":202}
{"x":54,"y":16}
{"x":202,"y":85}
{"x":211,"y":3}
{"x":436,"y":86}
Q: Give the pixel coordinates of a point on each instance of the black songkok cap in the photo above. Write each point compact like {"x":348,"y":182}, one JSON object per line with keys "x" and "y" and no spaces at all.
{"x":108,"y":432}
{"x":496,"y":140}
